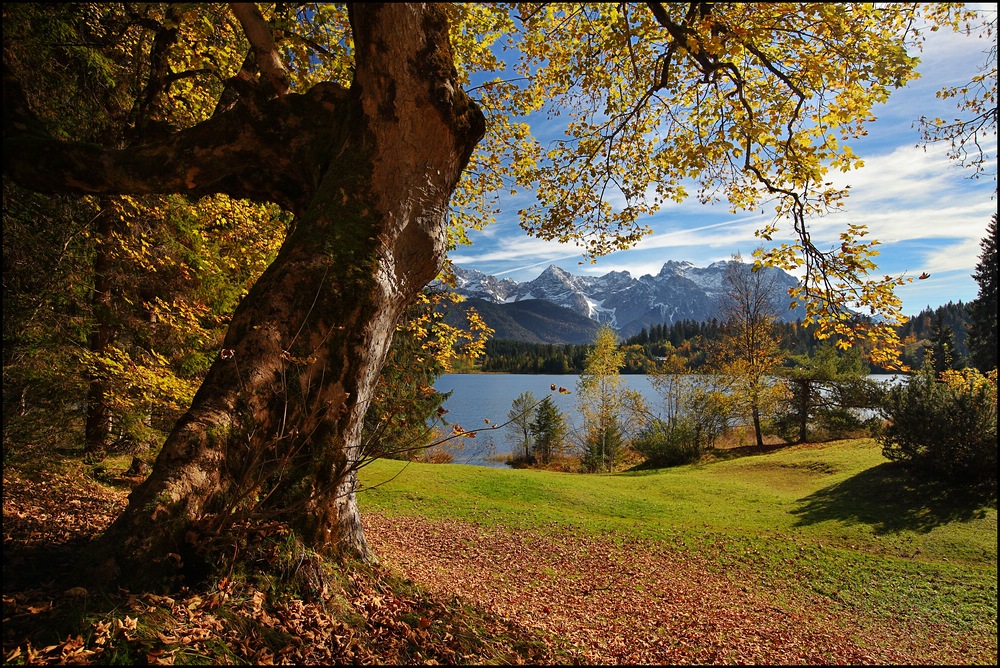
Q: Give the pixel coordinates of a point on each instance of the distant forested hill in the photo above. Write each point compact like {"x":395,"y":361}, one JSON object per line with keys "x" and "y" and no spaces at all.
{"x":530,"y":320}
{"x":518,"y":347}
{"x":918,"y":332}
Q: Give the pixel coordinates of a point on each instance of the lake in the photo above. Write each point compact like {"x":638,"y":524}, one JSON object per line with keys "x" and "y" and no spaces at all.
{"x":477,"y":397}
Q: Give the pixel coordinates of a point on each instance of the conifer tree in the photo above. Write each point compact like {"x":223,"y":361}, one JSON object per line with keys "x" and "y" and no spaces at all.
{"x":548,"y":430}
{"x":983,"y":331}
{"x":942,"y":348}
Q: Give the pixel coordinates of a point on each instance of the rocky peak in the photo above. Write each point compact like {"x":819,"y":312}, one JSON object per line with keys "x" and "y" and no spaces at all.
{"x":680,"y":291}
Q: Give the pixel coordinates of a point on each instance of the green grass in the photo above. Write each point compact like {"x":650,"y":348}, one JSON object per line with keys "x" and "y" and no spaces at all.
{"x":834,"y":520}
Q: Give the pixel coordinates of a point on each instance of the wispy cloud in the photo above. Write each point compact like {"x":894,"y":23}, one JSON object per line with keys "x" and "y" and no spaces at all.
{"x":923,"y":209}
{"x":514,"y":249}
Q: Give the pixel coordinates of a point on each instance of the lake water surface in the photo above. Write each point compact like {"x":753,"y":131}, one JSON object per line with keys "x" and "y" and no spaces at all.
{"x":476,"y":398}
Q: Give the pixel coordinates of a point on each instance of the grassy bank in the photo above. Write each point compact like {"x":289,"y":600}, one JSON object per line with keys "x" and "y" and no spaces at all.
{"x":806,"y":554}
{"x":834,"y":521}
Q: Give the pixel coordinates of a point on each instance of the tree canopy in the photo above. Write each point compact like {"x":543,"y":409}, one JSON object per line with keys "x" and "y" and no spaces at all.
{"x":667,"y":101}
{"x":658,"y":102}
{"x":356,"y":122}
{"x":983,"y":329}
{"x":968,"y":134}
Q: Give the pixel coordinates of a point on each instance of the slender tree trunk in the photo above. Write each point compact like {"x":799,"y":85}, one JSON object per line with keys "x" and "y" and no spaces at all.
{"x":97,"y":429}
{"x":275,"y":428}
{"x":803,"y":409}
{"x":756,"y":427}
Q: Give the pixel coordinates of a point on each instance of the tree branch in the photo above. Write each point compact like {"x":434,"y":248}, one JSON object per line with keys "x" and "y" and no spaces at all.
{"x":275,"y":152}
{"x":261,"y":39}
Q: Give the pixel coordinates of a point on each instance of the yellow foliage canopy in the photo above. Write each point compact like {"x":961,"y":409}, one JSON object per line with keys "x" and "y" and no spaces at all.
{"x":748,"y":103}
{"x":742,"y":102}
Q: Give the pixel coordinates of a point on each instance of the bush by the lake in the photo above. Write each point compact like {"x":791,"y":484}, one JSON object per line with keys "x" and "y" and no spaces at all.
{"x":945,"y":425}
{"x":602,"y":445}
{"x":825,"y":423}
{"x":669,"y":442}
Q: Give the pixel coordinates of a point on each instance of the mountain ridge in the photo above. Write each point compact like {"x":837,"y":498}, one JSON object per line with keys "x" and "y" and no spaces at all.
{"x":679,"y":291}
{"x":530,"y":320}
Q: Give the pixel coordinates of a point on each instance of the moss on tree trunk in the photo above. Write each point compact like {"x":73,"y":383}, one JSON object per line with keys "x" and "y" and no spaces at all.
{"x":274,"y":431}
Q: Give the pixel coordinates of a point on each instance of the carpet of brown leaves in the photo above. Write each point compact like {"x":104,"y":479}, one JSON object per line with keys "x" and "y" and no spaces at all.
{"x":607,"y":601}
{"x":447,"y":592}
{"x":362,"y":616}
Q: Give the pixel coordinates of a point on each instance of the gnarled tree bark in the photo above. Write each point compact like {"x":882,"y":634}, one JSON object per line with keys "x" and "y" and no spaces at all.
{"x":368,"y":172}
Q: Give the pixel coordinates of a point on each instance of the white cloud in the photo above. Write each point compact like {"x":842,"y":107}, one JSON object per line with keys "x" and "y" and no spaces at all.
{"x":514,"y":250}
{"x":954,"y":257}
{"x":923,"y":209}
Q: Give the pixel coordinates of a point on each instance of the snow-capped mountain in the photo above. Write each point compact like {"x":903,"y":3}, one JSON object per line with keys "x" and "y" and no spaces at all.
{"x":680,"y":291}
{"x":472,"y":283}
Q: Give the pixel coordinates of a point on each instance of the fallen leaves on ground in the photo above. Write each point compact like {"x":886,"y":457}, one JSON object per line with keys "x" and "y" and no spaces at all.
{"x":372,"y":619}
{"x":446,"y":592}
{"x":603,"y":600}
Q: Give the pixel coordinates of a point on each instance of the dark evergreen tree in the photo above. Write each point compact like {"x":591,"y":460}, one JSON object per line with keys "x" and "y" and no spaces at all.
{"x":942,"y":348}
{"x":943,"y":428}
{"x":983,"y":311}
{"x":548,"y":430}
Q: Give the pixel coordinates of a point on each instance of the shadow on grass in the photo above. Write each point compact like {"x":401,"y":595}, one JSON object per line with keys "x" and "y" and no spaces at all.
{"x":737,"y":452}
{"x":890,"y":498}
{"x":709,"y":456}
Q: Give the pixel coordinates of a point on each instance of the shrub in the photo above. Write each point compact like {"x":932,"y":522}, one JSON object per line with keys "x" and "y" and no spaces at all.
{"x":945,"y":426}
{"x":669,"y":443}
{"x":548,"y":431}
{"x":711,"y":411}
{"x":602,"y":444}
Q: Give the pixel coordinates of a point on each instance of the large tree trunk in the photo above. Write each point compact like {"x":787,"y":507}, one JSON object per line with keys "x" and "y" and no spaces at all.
{"x":275,"y":427}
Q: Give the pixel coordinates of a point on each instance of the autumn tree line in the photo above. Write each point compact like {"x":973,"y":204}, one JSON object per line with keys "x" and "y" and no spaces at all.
{"x":691,"y":340}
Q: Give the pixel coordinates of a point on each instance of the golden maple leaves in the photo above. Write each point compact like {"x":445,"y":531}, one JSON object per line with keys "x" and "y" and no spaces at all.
{"x":661,"y":103}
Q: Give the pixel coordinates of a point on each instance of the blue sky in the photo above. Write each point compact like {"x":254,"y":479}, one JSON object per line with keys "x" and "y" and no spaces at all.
{"x":927,"y":213}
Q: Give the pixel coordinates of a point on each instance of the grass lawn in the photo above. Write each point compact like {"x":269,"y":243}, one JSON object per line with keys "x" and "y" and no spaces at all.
{"x":806,"y":554}
{"x":835,"y":521}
